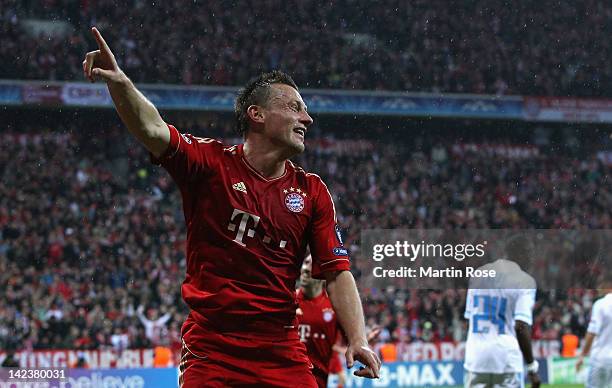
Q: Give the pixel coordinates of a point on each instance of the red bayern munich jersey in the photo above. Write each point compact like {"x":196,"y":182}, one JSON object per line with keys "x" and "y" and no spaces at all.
{"x":247,"y":235}
{"x":318,"y":328}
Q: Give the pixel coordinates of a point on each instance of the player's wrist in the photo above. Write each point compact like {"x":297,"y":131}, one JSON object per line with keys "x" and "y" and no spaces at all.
{"x":358,"y":342}
{"x":533,"y":367}
{"x":120,"y":79}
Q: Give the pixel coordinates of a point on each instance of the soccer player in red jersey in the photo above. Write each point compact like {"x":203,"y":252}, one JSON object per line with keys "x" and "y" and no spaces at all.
{"x":250,"y":213}
{"x":318,"y":327}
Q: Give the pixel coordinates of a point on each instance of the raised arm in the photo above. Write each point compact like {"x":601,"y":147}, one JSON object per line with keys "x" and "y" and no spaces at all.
{"x":141,"y":316}
{"x":137,"y":113}
{"x":347,"y":305}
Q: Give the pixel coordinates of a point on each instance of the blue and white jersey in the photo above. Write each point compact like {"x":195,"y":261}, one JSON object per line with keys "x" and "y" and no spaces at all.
{"x":491,"y":345}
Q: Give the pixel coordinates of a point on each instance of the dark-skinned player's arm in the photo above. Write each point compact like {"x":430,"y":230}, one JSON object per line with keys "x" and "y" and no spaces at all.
{"x":137,"y":113}
{"x":347,"y":305}
{"x":523,"y":336}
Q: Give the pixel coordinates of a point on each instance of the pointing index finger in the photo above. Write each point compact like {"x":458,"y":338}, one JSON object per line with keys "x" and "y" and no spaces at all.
{"x":101,"y":42}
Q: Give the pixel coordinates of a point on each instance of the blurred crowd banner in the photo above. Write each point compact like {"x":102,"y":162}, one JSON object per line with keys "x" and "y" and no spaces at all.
{"x":563,"y":371}
{"x":414,"y":351}
{"x":413,"y":374}
{"x":132,"y":358}
{"x":419,"y":374}
{"x":554,"y":370}
{"x":392,"y":375}
{"x":102,"y":378}
{"x":11,"y":94}
{"x":568,"y":109}
{"x":209,"y":98}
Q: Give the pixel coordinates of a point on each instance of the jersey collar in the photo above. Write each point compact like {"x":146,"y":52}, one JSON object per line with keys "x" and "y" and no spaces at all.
{"x":254,"y":171}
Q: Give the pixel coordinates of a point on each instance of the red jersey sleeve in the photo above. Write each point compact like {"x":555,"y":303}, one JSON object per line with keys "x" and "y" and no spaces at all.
{"x":328,"y":252}
{"x":188,"y":158}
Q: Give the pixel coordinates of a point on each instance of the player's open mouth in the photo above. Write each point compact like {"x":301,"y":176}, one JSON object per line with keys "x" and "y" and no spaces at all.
{"x":300,"y":131}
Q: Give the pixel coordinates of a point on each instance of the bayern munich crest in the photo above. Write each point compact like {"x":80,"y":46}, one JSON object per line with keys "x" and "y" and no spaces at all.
{"x":328,"y":315}
{"x":294,"y":199}
{"x":294,"y":202}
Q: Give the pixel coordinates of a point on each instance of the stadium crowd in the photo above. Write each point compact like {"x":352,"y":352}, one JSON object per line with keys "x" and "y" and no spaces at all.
{"x":469,"y":47}
{"x":92,"y":235}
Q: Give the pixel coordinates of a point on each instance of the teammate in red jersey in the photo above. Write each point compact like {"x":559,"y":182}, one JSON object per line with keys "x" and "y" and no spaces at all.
{"x":250,"y":213}
{"x":318,"y":327}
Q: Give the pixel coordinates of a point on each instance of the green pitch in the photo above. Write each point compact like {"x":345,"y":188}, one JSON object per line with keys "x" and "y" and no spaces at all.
{"x":563,"y":386}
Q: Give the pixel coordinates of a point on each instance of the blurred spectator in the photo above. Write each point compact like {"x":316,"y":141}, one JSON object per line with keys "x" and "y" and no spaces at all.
{"x":569,"y":344}
{"x":155,"y":327}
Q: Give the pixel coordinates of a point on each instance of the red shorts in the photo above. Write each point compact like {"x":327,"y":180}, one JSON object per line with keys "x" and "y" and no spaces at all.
{"x":335,"y":367}
{"x":321,"y":377}
{"x":210,"y":359}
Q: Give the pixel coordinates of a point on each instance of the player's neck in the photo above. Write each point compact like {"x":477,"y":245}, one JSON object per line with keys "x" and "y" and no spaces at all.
{"x":268,"y":162}
{"x":312,"y":292}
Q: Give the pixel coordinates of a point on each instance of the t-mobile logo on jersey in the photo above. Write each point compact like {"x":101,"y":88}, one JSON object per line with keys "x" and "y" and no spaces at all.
{"x":239,"y":220}
{"x":304,"y":331}
{"x":242,"y":227}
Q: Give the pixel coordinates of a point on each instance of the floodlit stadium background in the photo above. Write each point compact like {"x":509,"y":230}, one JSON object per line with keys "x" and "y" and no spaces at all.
{"x":476,"y":115}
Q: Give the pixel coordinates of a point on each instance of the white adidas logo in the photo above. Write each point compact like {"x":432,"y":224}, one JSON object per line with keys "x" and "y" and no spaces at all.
{"x":239,"y":186}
